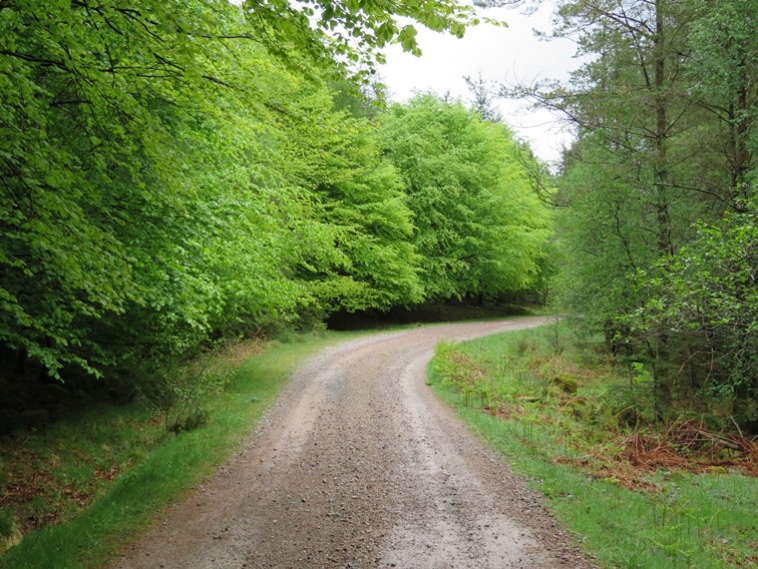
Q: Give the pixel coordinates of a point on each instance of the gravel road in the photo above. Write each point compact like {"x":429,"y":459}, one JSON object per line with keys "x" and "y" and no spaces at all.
{"x":359,"y":465}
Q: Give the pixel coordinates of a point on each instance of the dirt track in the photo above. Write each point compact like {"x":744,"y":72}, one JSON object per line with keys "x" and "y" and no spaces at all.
{"x":358,"y":465}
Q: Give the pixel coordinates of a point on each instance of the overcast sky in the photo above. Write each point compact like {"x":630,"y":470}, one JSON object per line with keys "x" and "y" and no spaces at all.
{"x":501,"y":55}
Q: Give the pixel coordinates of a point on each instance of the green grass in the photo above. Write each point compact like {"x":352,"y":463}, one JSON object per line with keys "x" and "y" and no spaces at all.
{"x":623,"y":517}
{"x":127,"y":467}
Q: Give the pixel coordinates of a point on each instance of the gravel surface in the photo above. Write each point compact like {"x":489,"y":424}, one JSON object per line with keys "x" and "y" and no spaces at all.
{"x":359,"y":465}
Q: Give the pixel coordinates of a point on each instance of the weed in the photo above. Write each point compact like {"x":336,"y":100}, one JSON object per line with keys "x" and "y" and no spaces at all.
{"x":179,"y":392}
{"x":556,"y":338}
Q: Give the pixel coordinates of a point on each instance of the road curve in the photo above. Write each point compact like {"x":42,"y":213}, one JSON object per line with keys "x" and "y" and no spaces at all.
{"x":359,"y":465}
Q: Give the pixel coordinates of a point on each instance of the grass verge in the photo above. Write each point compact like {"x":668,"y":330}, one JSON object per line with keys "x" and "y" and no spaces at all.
{"x":572,"y":424}
{"x":97,"y":481}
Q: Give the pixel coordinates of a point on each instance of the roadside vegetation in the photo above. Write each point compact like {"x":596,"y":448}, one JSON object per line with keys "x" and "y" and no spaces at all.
{"x":581,"y":425}
{"x":73,"y":493}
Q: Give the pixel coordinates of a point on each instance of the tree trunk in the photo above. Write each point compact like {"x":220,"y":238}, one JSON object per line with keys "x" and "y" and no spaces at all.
{"x":661,"y":387}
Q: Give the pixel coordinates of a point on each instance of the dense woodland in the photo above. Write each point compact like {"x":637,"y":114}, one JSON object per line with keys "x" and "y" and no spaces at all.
{"x":657,"y":202}
{"x":178,"y":174}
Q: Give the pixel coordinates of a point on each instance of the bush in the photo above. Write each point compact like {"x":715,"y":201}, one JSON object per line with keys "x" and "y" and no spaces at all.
{"x":180,"y":392}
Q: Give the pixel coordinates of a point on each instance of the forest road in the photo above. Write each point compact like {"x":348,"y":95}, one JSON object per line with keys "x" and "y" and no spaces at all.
{"x":359,"y":465}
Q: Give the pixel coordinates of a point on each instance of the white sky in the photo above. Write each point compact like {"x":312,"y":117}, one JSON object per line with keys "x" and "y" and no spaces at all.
{"x":501,"y":55}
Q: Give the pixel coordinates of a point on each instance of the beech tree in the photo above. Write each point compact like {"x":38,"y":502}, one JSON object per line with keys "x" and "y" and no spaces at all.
{"x":146,"y":201}
{"x":366,"y":260}
{"x":110,"y":222}
{"x":479,"y":227}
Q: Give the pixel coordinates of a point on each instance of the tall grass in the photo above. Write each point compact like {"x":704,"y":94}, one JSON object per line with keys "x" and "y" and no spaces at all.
{"x":549,"y":408}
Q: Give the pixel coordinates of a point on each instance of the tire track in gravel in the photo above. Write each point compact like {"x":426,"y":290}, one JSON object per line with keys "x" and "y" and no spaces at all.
{"x":359,"y":465}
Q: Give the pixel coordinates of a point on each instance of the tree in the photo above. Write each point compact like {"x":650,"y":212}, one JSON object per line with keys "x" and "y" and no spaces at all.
{"x":628,"y":103}
{"x":483,"y":99}
{"x":107,"y":113}
{"x":366,"y":260}
{"x":664,"y":111}
{"x":111,"y":231}
{"x":353,"y":31}
{"x":479,"y":227}
{"x":722,"y":70}
{"x":705,"y":301}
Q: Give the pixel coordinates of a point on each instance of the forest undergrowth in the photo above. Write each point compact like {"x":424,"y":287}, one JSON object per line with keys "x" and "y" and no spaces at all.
{"x":581,"y":423}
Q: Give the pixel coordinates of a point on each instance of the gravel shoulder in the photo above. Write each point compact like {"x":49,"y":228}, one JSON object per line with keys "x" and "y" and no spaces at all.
{"x":359,"y":465}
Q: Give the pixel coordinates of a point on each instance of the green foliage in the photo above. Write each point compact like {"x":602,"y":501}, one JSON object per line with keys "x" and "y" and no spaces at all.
{"x":706,"y":297}
{"x":137,"y":139}
{"x":479,"y":227}
{"x":176,"y":172}
{"x":724,"y":44}
{"x":632,"y":403}
{"x":457,"y":369}
{"x":665,"y":111}
{"x":108,"y":224}
{"x":182,"y":393}
{"x":351,"y":31}
{"x":599,"y":233}
{"x":366,"y":260}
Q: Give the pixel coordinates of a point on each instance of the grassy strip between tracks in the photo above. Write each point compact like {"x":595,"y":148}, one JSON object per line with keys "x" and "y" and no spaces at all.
{"x":101,"y":478}
{"x":634,"y":496}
